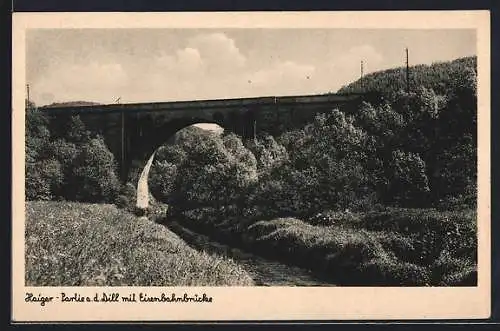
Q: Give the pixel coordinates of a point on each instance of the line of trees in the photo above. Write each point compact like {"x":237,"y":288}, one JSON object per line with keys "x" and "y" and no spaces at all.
{"x":77,"y":166}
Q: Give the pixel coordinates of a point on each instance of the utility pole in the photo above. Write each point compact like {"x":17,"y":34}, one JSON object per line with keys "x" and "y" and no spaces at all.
{"x":28,"y":94}
{"x":407,"y":72}
{"x":361,"y":76}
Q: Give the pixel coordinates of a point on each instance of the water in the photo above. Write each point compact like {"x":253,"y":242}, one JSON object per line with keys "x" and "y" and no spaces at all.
{"x":264,"y":272}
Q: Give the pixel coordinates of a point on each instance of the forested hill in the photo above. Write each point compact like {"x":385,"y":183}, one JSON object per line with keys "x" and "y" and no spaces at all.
{"x":72,"y":103}
{"x":440,"y":77}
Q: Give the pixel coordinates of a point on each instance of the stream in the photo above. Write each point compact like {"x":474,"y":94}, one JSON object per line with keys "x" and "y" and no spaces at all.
{"x":263,"y":271}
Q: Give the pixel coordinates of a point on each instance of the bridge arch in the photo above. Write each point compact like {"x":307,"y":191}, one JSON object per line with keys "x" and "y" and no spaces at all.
{"x":150,"y":152}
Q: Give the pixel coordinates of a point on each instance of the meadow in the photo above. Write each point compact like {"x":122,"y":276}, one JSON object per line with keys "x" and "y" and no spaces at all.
{"x":80,"y":244}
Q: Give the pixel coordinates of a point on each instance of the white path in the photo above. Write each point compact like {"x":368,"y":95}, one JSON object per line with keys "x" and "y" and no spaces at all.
{"x":142,"y":185}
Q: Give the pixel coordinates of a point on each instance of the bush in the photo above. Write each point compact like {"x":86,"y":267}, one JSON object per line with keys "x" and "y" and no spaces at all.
{"x":431,"y":231}
{"x":387,"y":271}
{"x":450,"y":270}
{"x":268,"y":153}
{"x":127,"y":197}
{"x":37,"y":133}
{"x":216,"y":172}
{"x":161,"y":180}
{"x":409,"y":185}
{"x":93,"y":175}
{"x":349,"y":255}
{"x":334,"y":218}
{"x":43,"y":179}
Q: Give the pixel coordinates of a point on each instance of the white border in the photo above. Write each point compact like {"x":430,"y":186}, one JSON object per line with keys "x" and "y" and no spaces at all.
{"x":256,"y":303}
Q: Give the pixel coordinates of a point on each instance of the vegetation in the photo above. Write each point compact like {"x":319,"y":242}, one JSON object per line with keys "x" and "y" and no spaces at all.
{"x":76,"y":244}
{"x":72,"y":104}
{"x":77,"y":166}
{"x":440,"y":77}
{"x":382,"y":196}
{"x":436,"y":121}
{"x":388,"y":247}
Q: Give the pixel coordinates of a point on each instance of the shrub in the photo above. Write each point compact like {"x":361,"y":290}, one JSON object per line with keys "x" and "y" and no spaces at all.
{"x":216,"y":172}
{"x":387,"y":271}
{"x":37,"y":133}
{"x":409,"y":184}
{"x":268,"y":153}
{"x":161,"y":180}
{"x":431,"y":232}
{"x":37,"y":187}
{"x":93,"y":175}
{"x":450,"y":270}
{"x":127,"y":197}
{"x":328,"y":164}
{"x":43,"y":179}
{"x":334,"y":218}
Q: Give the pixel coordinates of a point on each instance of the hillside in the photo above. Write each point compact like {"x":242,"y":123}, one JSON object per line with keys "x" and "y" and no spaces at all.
{"x":72,"y":103}
{"x":441,"y":77}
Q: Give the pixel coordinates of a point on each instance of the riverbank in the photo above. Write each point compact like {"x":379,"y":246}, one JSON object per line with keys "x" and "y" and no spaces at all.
{"x":264,"y":272}
{"x":396,"y":247}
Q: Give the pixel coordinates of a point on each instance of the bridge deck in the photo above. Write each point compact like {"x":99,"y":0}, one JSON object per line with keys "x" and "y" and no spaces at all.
{"x":204,"y":104}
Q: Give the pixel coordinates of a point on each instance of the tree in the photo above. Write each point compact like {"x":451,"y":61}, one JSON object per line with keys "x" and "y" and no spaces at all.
{"x":328,"y":169}
{"x":42,"y":176}
{"x":93,"y":175}
{"x":43,"y":180}
{"x":162,"y":179}
{"x":268,"y":153}
{"x":37,"y":133}
{"x":409,"y":185}
{"x":76,"y":131}
{"x":216,"y":172}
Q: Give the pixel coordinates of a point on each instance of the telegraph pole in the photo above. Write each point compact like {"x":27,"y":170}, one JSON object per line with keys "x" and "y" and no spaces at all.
{"x":407,"y":72}
{"x":361,"y":76}
{"x":28,"y":93}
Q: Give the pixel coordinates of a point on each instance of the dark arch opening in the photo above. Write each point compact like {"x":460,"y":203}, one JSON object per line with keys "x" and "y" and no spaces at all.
{"x":218,"y":118}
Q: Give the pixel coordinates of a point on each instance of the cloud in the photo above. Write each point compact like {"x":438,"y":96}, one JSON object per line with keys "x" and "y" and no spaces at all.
{"x":353,"y":57}
{"x":187,"y":60}
{"x":218,"y":50}
{"x":207,"y":56}
{"x":282,"y":78}
{"x":282,"y":72}
{"x":346,"y":67}
{"x":80,"y":82}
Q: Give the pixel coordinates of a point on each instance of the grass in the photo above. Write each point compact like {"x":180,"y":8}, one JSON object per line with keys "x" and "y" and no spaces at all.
{"x":77,"y":244}
{"x":412,"y":247}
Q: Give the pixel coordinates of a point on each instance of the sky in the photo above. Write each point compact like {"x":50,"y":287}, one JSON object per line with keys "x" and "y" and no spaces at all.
{"x":154,"y":65}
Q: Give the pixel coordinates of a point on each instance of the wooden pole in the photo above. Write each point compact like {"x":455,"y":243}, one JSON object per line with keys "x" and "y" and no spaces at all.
{"x":407,"y":72}
{"x":361,"y":76}
{"x":254,"y":130}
